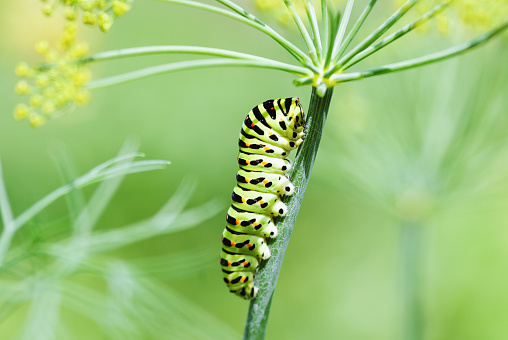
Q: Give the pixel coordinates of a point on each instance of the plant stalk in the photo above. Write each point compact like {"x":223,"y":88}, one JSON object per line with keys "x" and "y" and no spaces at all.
{"x":266,"y":279}
{"x":192,"y":65}
{"x":411,"y":267}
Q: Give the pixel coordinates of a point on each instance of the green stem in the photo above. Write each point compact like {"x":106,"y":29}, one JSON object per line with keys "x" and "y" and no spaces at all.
{"x":170,"y":49}
{"x":193,"y":64}
{"x":240,"y":10}
{"x":332,"y":29}
{"x":342,"y":29}
{"x":266,"y":279}
{"x":416,"y":62}
{"x":314,"y":28}
{"x":411,"y":267}
{"x":358,"y":24}
{"x":303,"y":31}
{"x":325,"y":26}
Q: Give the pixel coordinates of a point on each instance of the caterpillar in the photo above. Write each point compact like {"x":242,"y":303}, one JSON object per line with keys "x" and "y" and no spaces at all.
{"x":269,"y":132}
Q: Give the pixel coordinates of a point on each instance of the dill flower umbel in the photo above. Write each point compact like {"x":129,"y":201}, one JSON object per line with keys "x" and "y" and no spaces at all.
{"x":57,"y":84}
{"x":477,"y":14}
{"x":93,"y":12}
{"x":481,"y":14}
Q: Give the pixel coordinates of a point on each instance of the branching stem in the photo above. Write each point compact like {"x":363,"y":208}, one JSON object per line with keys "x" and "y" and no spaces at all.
{"x":417,"y":62}
{"x":290,"y":47}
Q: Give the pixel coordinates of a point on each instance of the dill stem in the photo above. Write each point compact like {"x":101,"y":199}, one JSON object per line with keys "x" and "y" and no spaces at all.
{"x":266,"y":279}
{"x":411,"y":267}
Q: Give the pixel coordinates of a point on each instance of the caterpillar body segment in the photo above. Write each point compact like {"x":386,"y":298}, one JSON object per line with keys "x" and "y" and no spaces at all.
{"x":256,"y":162}
{"x":238,"y":262}
{"x":250,"y":223}
{"x":271,"y":137}
{"x":258,"y":202}
{"x":264,"y":182}
{"x":234,"y":241}
{"x":268,"y":134}
{"x":248,"y":143}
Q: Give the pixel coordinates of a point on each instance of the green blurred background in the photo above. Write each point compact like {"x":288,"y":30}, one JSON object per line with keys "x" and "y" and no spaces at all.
{"x":390,"y":143}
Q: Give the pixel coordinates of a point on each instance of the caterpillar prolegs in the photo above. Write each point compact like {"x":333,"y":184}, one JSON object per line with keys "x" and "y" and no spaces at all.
{"x":269,"y":132}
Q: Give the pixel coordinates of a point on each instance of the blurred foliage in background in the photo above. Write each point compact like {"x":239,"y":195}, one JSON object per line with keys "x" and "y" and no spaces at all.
{"x":426,"y":145}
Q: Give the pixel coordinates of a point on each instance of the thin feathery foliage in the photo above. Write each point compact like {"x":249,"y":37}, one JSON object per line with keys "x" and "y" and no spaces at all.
{"x":445,"y":150}
{"x":49,"y":270}
{"x":427,"y":162}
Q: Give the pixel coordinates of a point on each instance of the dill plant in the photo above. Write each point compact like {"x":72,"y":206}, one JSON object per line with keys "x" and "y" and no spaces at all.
{"x":49,"y":270}
{"x":333,"y":49}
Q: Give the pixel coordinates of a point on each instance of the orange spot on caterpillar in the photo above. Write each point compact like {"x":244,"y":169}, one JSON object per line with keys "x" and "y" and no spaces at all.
{"x":246,"y":161}
{"x":261,"y":202}
{"x":247,"y":180}
{"x":243,"y":200}
{"x":243,"y":279}
{"x":229,"y":263}
{"x":233,"y":243}
{"x":265,"y":181}
{"x":255,"y":224}
{"x":249,"y":245}
{"x":237,"y":222}
{"x":264,"y":163}
{"x":245,"y":263}
{"x":252,"y":125}
{"x":266,"y":148}
{"x":247,"y":144}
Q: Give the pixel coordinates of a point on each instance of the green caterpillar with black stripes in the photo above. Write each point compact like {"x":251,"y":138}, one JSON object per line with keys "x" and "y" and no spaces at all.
{"x":269,"y":132}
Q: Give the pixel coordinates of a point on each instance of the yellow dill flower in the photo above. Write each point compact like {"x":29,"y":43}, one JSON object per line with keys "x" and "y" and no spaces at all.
{"x":56,"y":85}
{"x":476,"y":14}
{"x":93,"y":12}
{"x":36,"y":120}
{"x":21,"y":111}
{"x":481,"y":13}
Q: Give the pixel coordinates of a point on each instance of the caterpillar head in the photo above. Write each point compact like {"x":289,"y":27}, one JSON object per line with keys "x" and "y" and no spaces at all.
{"x":279,"y":209}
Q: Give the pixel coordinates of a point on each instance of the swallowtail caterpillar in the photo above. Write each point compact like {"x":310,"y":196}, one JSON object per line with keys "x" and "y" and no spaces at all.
{"x":269,"y":132}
